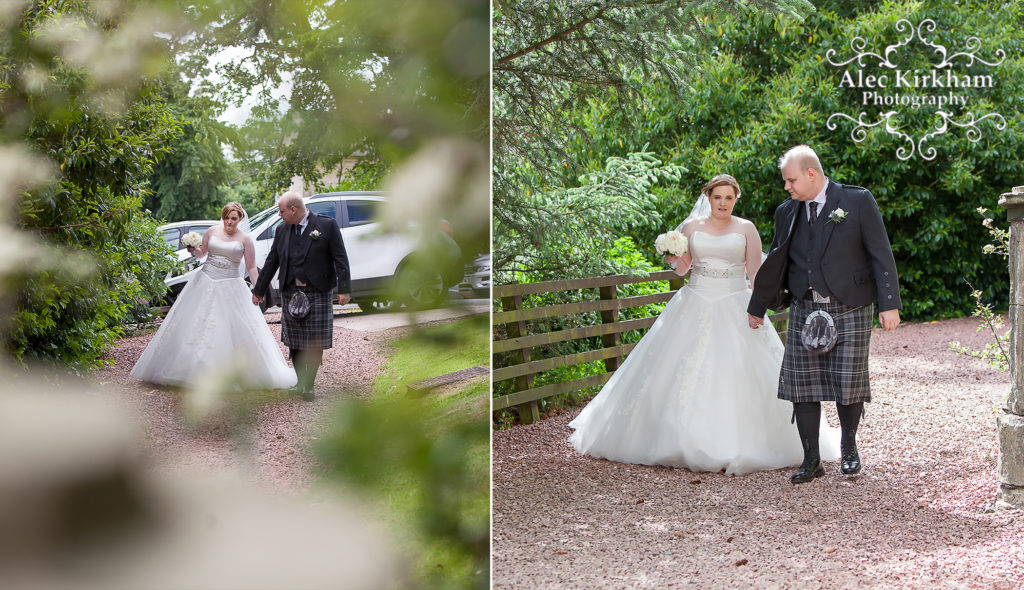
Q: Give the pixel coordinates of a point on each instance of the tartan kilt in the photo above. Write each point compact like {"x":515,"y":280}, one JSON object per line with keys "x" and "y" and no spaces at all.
{"x":316,"y":330}
{"x":840,"y":375}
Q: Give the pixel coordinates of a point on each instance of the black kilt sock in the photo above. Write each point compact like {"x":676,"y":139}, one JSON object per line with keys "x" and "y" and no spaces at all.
{"x":849,"y":420}
{"x":808,"y":423}
{"x":300,"y":360}
{"x":313,"y":357}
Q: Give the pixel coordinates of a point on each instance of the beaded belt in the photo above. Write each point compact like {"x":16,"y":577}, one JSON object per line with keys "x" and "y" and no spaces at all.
{"x":719,"y":273}
{"x":220,"y":261}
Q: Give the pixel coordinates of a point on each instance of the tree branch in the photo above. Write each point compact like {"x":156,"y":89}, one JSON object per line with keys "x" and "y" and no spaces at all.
{"x":560,"y":36}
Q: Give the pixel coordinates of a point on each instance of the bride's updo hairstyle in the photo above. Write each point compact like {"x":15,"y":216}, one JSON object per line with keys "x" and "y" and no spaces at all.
{"x":721,"y":180}
{"x":232,"y":206}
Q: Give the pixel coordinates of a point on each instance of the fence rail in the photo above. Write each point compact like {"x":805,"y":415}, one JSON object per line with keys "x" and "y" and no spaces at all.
{"x":519,"y":341}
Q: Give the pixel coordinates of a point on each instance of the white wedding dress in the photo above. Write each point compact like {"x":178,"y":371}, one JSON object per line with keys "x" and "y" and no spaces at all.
{"x":213,"y":326}
{"x":699,"y":390}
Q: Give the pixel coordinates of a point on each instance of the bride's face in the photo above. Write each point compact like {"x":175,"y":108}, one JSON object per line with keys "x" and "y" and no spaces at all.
{"x":722,"y":199}
{"x":231,"y":222}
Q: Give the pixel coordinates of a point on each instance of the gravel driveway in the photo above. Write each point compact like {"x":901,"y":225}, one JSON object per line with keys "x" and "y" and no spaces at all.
{"x":917,"y":516}
{"x":278,"y":453}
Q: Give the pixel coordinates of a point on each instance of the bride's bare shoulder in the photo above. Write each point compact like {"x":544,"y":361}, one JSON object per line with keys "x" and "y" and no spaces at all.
{"x":744,"y":225}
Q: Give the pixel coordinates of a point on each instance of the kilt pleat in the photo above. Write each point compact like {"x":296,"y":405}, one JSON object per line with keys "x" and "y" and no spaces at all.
{"x":316,"y":330}
{"x":840,"y":375}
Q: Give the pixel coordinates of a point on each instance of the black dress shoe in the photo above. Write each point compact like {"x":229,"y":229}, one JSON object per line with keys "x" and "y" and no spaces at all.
{"x":808,"y":471}
{"x":851,"y":462}
{"x":307,"y":395}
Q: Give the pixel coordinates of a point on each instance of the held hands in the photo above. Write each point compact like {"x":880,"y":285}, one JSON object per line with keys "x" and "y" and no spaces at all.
{"x":256,"y":299}
{"x":889,"y":319}
{"x":754,"y":322}
{"x":344,"y":298}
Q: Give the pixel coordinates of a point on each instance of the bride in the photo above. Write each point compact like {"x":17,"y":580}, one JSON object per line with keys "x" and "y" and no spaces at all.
{"x":213,"y":324}
{"x":700,"y":389}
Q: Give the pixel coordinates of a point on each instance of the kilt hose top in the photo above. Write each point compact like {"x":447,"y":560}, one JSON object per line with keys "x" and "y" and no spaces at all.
{"x":847,"y":256}
{"x":317,"y":258}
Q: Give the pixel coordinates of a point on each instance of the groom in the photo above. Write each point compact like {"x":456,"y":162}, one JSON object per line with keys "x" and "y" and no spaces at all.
{"x":311,"y":256}
{"x":830,"y":254}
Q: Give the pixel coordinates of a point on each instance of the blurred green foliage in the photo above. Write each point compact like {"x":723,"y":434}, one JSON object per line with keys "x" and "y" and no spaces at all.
{"x":102,"y":132}
{"x":426,"y":461}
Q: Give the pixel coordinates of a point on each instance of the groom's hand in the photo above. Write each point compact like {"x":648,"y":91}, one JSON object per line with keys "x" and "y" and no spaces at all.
{"x":889,"y":319}
{"x":754,"y":322}
{"x":256,"y":299}
{"x":344,"y":298}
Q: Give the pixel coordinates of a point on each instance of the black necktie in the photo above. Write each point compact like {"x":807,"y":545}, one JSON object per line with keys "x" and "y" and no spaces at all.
{"x":295,"y":230}
{"x":813,"y":208}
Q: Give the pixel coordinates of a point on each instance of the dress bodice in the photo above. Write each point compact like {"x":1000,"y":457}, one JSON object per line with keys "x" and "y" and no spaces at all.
{"x":718,"y":253}
{"x":223,"y":258}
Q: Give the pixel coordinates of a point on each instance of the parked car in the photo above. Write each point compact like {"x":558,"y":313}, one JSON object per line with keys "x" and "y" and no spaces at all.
{"x":414,"y":267}
{"x":476,"y":281}
{"x":172,"y":234}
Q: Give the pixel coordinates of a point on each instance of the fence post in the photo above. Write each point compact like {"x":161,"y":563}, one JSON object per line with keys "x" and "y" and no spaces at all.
{"x":610,"y":316}
{"x":530,"y":411}
{"x":1010,"y":424}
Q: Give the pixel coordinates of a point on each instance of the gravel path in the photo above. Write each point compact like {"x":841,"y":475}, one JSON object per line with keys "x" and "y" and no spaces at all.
{"x":278,"y":450}
{"x":917,"y":516}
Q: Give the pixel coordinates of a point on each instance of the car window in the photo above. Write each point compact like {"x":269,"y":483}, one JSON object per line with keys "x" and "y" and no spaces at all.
{"x":258,"y":219}
{"x":200,"y":229}
{"x":270,"y":231}
{"x":171,"y":236}
{"x":361,"y":212}
{"x":328,"y":208}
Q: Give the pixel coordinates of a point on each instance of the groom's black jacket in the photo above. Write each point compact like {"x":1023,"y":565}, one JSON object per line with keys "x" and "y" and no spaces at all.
{"x":857,"y":264}
{"x":323,"y":257}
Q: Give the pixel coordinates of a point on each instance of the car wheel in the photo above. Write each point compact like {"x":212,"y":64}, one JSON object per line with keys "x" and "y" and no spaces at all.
{"x":420,"y":287}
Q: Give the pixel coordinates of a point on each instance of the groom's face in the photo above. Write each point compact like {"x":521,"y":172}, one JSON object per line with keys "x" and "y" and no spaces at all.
{"x":800,"y":184}
{"x":289,"y":214}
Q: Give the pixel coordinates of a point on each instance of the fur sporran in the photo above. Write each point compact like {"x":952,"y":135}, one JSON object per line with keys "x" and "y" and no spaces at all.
{"x":819,"y":334}
{"x":298,"y":305}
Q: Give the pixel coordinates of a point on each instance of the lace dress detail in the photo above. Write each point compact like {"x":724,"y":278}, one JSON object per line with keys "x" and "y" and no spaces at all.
{"x":214,"y":327}
{"x":700,"y":389}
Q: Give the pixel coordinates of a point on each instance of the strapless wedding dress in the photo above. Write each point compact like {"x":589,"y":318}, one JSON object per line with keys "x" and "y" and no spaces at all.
{"x":700,"y":389}
{"x":213,"y":326}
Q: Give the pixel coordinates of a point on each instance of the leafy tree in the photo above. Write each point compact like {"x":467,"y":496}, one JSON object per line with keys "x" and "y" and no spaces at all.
{"x":100,"y":127}
{"x":357,"y":75}
{"x":768,"y":87}
{"x":552,"y":59}
{"x":607,"y":204}
{"x":191,"y":180}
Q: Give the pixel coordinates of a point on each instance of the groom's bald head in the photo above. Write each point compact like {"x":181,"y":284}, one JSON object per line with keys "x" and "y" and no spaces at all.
{"x":291,"y":207}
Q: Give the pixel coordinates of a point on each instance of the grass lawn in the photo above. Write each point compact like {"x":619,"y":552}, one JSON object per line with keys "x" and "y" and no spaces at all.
{"x":426,"y":461}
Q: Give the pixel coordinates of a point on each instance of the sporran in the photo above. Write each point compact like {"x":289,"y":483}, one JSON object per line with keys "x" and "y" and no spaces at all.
{"x":298,"y":305}
{"x":819,"y":334}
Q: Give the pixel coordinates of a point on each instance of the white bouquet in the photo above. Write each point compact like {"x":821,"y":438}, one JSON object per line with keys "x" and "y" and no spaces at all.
{"x":672,"y":242}
{"x":192,"y":240}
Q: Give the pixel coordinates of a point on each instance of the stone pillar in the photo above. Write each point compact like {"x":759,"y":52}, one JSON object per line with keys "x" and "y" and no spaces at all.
{"x":1010,"y":424}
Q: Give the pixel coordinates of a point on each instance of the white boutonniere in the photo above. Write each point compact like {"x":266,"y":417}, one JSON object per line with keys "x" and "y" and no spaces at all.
{"x":315,"y":234}
{"x":837,"y":216}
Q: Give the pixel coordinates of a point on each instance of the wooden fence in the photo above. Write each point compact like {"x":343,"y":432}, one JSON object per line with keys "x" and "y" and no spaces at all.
{"x":518,"y":340}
